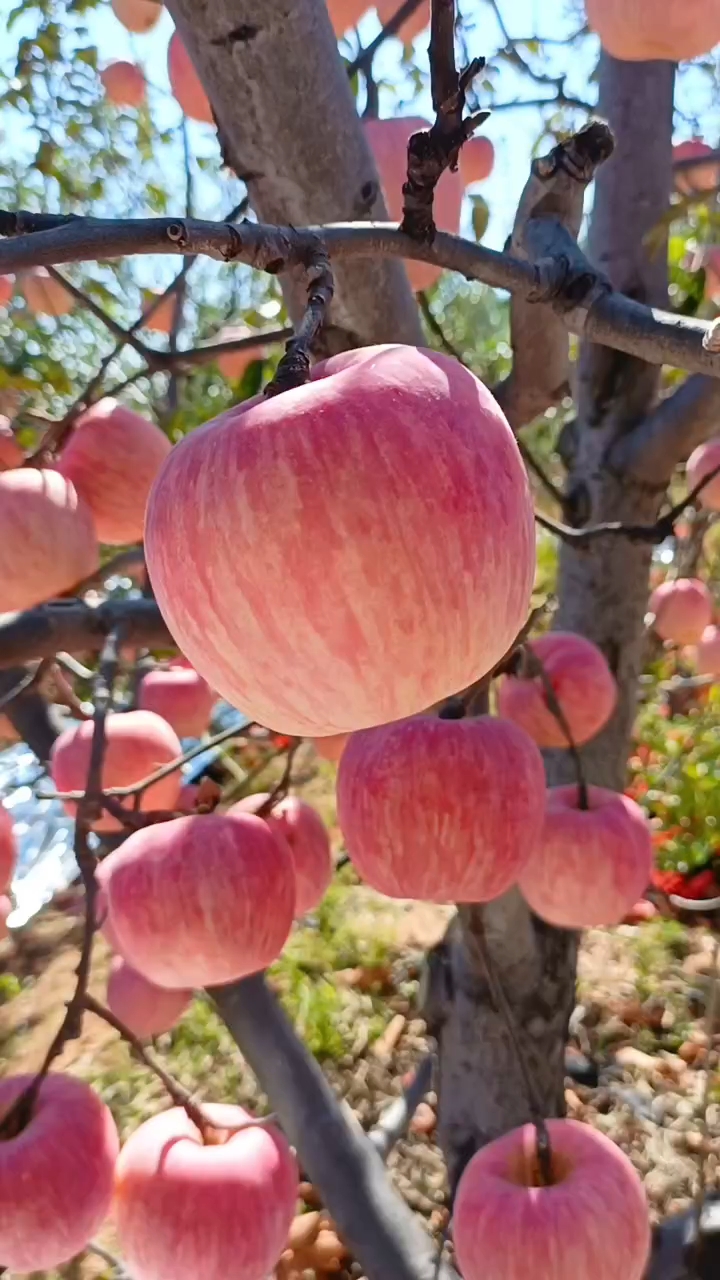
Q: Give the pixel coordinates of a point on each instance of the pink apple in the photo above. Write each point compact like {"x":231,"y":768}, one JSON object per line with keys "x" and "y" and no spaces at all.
{"x":112,"y":458}
{"x":412,"y":27}
{"x":582,"y":683}
{"x":303,"y":829}
{"x":45,"y":295}
{"x":708,"y":652}
{"x":124,"y":84}
{"x":146,"y":1009}
{"x":651,"y":30}
{"x":702,"y":177}
{"x":388,"y":142}
{"x":590,"y":865}
{"x":701,"y":462}
{"x":186,"y":83}
{"x":592,"y":1221}
{"x":56,"y":1176}
{"x":11,"y":455}
{"x":47,"y":540}
{"x":5,"y":909}
{"x":8,"y":852}
{"x":102,"y":908}
{"x":441,"y":810}
{"x":477,"y":158}
{"x":185,"y":1209}
{"x":391,"y":456}
{"x":180,"y":696}
{"x":199,"y":901}
{"x":683,"y":608}
{"x":332,"y":747}
{"x":346,"y":13}
{"x":137,"y":743}
{"x":6,"y":289}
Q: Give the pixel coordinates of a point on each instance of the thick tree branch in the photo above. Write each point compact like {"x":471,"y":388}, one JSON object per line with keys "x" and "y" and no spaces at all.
{"x":72,"y":625}
{"x":670,"y":432}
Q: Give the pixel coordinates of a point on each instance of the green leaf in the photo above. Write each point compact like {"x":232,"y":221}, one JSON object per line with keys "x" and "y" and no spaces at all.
{"x":480,"y":216}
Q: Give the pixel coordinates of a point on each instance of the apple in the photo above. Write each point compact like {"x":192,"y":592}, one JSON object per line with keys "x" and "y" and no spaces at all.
{"x":581,"y":681}
{"x":188,"y":796}
{"x":477,"y":158}
{"x":163,"y":317}
{"x":388,"y":142}
{"x":391,"y":468}
{"x":102,"y":909}
{"x":441,"y":810}
{"x":136,"y":744}
{"x":47,"y":539}
{"x":701,"y":462}
{"x":707,"y":654}
{"x":6,"y":289}
{"x":185,"y":1208}
{"x":682,"y":609}
{"x":44,"y":295}
{"x":653,"y":30}
{"x":332,"y":747}
{"x":590,"y":865}
{"x":8,"y":852}
{"x":11,"y":455}
{"x":297,"y":823}
{"x":186,"y":83}
{"x":112,"y":458}
{"x":5,"y":909}
{"x":138,"y":16}
{"x":200,"y":901}
{"x":592,"y":1221}
{"x":346,"y":13}
{"x":145,"y":1009}
{"x":232,"y":364}
{"x":56,"y":1175}
{"x":180,"y":696}
{"x":124,"y":84}
{"x":701,"y":178}
{"x":412,"y":27}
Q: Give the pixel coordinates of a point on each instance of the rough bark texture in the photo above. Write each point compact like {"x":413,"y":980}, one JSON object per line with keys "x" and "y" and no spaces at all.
{"x":288,"y":126}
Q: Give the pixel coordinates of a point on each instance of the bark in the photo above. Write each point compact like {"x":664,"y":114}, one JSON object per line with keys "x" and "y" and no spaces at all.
{"x":289,"y":128}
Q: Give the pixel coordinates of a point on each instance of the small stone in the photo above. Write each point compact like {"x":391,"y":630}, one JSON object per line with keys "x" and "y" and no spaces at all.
{"x":424,"y":1119}
{"x":630,"y":1057}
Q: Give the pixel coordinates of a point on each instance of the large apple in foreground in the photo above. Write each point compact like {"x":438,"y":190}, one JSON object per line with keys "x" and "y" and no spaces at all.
{"x":201,"y":900}
{"x":180,"y":696}
{"x":592,"y":1221}
{"x":590,"y":865}
{"x":683,"y":608}
{"x":187,"y":1209}
{"x":47,"y":539}
{"x":186,"y":83}
{"x":8,"y":852}
{"x":297,"y":823}
{"x":112,"y":458}
{"x":581,"y":681}
{"x":56,"y":1176}
{"x":650,"y":30}
{"x":441,"y":810}
{"x":146,"y":1009}
{"x":136,"y":744}
{"x":372,"y":549}
{"x":701,"y":462}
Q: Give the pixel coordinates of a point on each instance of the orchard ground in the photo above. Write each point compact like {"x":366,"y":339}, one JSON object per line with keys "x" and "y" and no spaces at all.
{"x":349,"y":979}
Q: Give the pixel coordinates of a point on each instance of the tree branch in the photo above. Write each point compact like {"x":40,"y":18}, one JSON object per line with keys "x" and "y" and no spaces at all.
{"x":363,"y":62}
{"x":668,"y":435}
{"x":67,"y":625}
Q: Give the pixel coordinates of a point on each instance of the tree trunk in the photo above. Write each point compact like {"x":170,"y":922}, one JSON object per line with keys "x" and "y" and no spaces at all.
{"x":289,"y":128}
{"x":603,"y":594}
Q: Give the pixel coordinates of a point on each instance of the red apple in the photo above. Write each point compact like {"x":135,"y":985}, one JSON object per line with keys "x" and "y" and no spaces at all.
{"x":124,"y":84}
{"x":441,"y":810}
{"x":332,"y":747}
{"x":102,"y":909}
{"x":112,"y":458}
{"x":682,"y":608}
{"x":186,"y":83}
{"x":8,"y":852}
{"x":188,"y":796}
{"x":303,"y":829}
{"x":701,"y":462}
{"x":388,"y":142}
{"x":592,"y":1221}
{"x":56,"y":1176}
{"x":582,"y":683}
{"x":232,"y":364}
{"x":5,"y":909}
{"x":708,"y":652}
{"x":391,"y":468}
{"x":412,"y":27}
{"x":590,"y":865}
{"x":199,"y":901}
{"x":187,"y":1209}
{"x":44,"y":295}
{"x":138,"y":16}
{"x":47,"y":539}
{"x":163,"y":316}
{"x":146,"y":1009}
{"x":136,"y":744}
{"x":701,"y":178}
{"x":346,"y":13}
{"x":651,"y":30}
{"x":11,"y":455}
{"x":6,"y":289}
{"x":477,"y":158}
{"x":180,"y":696}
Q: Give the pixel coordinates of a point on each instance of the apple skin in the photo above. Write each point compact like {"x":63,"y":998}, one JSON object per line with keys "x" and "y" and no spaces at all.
{"x":124,"y":84}
{"x":5,"y":909}
{"x":413,"y":26}
{"x":200,"y":901}
{"x":7,"y":284}
{"x":138,"y":16}
{"x":183,"y":1209}
{"x":137,"y":743}
{"x":701,"y":178}
{"x":592,"y":1221}
{"x":298,"y":824}
{"x":683,"y":608}
{"x":701,"y":462}
{"x":146,"y":1009}
{"x":332,"y":747}
{"x":583,"y":685}
{"x":590,"y":866}
{"x":11,"y":455}
{"x":477,"y":160}
{"x":441,"y":810}
{"x":707,"y":654}
{"x":112,"y":458}
{"x":186,"y":83}
{"x":648,"y":30}
{"x":45,"y":295}
{"x":180,"y":696}
{"x":8,"y":851}
{"x":346,"y":13}
{"x":56,"y":1176}
{"x":47,"y":539}
{"x":390,"y":456}
{"x":102,"y":907}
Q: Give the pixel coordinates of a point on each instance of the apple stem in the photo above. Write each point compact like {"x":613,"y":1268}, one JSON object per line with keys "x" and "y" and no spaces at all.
{"x":534,"y":667}
{"x":280,"y":791}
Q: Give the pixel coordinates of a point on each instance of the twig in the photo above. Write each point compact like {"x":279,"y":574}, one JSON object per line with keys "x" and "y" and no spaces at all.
{"x":132,"y":558}
{"x":530,"y":667}
{"x":280,"y":791}
{"x":435,"y":326}
{"x":294,"y":367}
{"x":364,"y":60}
{"x":112,"y":1261}
{"x":396,"y":1117}
{"x":549,"y":486}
